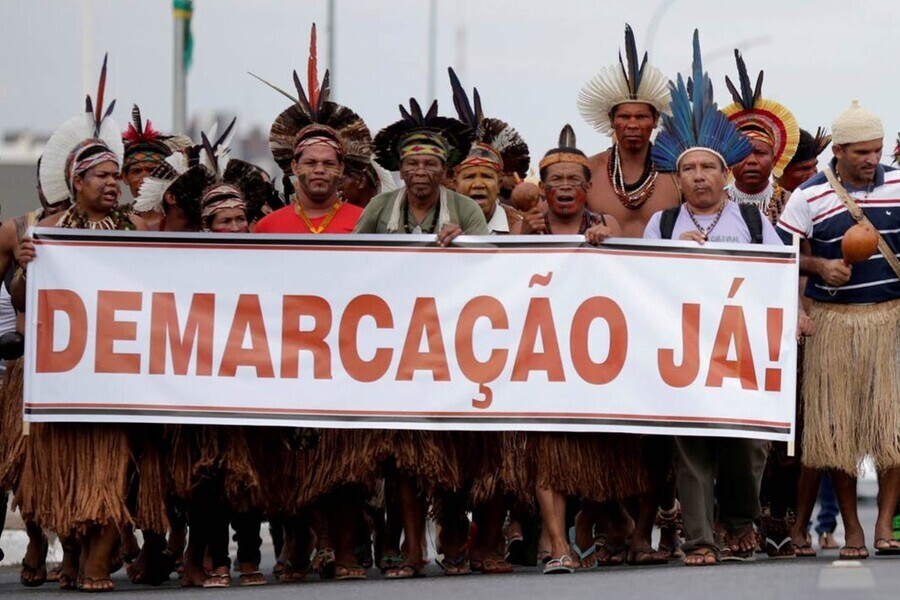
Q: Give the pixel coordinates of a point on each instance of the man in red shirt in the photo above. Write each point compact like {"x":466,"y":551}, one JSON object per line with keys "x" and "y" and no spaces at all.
{"x":318,"y":165}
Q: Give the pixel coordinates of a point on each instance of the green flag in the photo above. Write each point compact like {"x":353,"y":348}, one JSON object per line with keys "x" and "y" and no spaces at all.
{"x":184,"y":9}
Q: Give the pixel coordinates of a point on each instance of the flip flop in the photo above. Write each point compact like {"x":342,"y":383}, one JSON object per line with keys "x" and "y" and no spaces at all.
{"x":886,"y":550}
{"x":455,"y":566}
{"x":404,"y":571}
{"x":804,"y":551}
{"x":862,"y":553}
{"x":583,"y":554}
{"x":38,"y":573}
{"x":557,"y":566}
{"x":350,"y":572}
{"x":515,"y":550}
{"x":496,"y":566}
{"x":652,"y":557}
{"x":252,"y":578}
{"x":217,"y":580}
{"x":91,"y":581}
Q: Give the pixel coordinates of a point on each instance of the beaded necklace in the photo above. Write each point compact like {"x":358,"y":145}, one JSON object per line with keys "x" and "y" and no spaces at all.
{"x":632,"y":196}
{"x":117,"y":220}
{"x":770,"y":201}
{"x":712,"y":225}
{"x":298,"y":209}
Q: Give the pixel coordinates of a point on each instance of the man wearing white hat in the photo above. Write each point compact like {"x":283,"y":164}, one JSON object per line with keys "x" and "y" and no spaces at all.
{"x":852,"y":364}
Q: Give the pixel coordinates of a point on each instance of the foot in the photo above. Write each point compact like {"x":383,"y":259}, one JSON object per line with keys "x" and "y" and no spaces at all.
{"x":34,"y":564}
{"x":219,"y":578}
{"x":646,"y":555}
{"x":887,"y":546}
{"x":343,"y":572}
{"x":854,"y":553}
{"x":90,"y":584}
{"x":455,"y":565}
{"x":151,"y":567}
{"x":827,"y":541}
{"x":701,"y":557}
{"x":404,"y":571}
{"x":739,"y":546}
{"x":559,"y":565}
{"x":325,"y":563}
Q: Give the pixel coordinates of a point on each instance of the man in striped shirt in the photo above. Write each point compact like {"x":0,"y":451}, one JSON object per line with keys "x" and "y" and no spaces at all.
{"x":852,"y":364}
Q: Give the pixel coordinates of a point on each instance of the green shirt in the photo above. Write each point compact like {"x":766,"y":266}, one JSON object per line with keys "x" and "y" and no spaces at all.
{"x":382,"y":210}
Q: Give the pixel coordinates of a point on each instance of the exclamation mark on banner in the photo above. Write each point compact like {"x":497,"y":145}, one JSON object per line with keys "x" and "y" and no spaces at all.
{"x":774,"y":328}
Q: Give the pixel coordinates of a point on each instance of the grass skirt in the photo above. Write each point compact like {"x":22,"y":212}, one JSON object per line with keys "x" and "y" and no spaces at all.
{"x":593,"y":466}
{"x":851,"y":386}
{"x":11,"y":441}
{"x":74,"y":476}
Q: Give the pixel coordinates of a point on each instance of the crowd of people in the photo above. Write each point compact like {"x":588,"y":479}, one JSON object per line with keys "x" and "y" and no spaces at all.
{"x":339,"y":502}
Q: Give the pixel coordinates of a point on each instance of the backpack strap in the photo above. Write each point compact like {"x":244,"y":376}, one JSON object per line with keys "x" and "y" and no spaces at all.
{"x":753,"y":219}
{"x":667,"y":222}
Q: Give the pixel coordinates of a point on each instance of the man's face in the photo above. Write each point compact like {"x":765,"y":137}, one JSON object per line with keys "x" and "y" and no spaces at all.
{"x":136,"y":174}
{"x":797,"y":173}
{"x":753,"y":172}
{"x":565,"y":187}
{"x":422,"y":175}
{"x":481,"y":184}
{"x":634,"y":123}
{"x":229,"y":220}
{"x":701,"y":177}
{"x":98,"y":188}
{"x":858,"y":161}
{"x":318,"y":170}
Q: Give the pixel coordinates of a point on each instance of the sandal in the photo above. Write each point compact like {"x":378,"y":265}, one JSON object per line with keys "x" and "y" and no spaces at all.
{"x":345,"y":572}
{"x":804,"y":551}
{"x":609,"y":555}
{"x":37,"y":575}
{"x":861,"y":553}
{"x":827,"y":541}
{"x":583,"y":554}
{"x":515,"y":550}
{"x":325,"y":563}
{"x":89,"y":584}
{"x":217,"y":580}
{"x":558,"y":566}
{"x":53,"y":575}
{"x":389,"y":562}
{"x":496,"y":566}
{"x":704,"y":552}
{"x":404,"y":571}
{"x":731,"y":548}
{"x":67,"y":583}
{"x":646,"y":555}
{"x":251,"y":578}
{"x":455,"y":566}
{"x":886,"y":549}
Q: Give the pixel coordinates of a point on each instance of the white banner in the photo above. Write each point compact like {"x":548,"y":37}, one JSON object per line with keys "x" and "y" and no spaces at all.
{"x":520,"y":333}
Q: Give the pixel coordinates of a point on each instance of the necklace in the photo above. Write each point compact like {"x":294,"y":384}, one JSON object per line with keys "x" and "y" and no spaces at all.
{"x":632,"y":196}
{"x":712,"y":225}
{"x":298,"y":208}
{"x":116,"y":220}
{"x":770,"y":201}
{"x":418,"y":228}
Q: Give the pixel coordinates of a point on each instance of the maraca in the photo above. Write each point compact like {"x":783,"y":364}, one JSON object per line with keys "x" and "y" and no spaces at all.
{"x":859,"y":243}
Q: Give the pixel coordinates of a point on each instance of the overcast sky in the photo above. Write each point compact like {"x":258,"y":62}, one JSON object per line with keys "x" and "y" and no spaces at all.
{"x":528,"y":58}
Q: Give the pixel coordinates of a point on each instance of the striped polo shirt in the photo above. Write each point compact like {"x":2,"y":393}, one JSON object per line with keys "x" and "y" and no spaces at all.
{"x":816,"y":213}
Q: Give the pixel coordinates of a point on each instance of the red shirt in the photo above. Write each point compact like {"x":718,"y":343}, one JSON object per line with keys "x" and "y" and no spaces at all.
{"x":286,"y":220}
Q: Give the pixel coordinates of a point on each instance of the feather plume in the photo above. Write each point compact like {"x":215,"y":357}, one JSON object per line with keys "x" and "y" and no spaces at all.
{"x":632,"y":72}
{"x":274,"y":87}
{"x":696,"y":122}
{"x":312,"y":70}
{"x":567,"y":137}
{"x":461,"y":101}
{"x":101,"y":91}
{"x":822,"y":140}
{"x":136,"y":120}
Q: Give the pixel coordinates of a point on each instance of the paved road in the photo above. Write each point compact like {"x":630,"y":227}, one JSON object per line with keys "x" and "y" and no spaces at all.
{"x":821,"y":578}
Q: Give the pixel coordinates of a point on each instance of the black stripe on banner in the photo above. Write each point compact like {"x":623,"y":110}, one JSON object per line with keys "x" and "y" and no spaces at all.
{"x":137,"y":238}
{"x":376,"y":419}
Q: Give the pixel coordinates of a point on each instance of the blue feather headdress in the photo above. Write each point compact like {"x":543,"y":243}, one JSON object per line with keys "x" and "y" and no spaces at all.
{"x":696,"y":123}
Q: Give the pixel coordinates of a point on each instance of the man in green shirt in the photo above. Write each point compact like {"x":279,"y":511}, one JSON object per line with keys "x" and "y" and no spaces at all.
{"x":422,"y":148}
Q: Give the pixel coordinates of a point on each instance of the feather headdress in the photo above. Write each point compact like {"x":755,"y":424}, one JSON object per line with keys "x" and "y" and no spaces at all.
{"x":141,"y":138}
{"x":752,"y":113}
{"x":810,"y":146}
{"x":312,"y":106}
{"x":696,"y":123}
{"x":94,"y":123}
{"x":566,"y":151}
{"x":495,"y":133}
{"x":456,"y":135}
{"x":629,"y":81}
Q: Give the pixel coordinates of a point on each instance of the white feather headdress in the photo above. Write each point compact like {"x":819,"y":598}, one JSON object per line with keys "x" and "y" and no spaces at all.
{"x":93,"y":123}
{"x":155,"y":185}
{"x":618,"y":84}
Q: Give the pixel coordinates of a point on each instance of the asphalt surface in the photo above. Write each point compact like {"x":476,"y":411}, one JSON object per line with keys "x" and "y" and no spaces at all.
{"x":822,"y":578}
